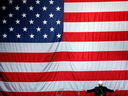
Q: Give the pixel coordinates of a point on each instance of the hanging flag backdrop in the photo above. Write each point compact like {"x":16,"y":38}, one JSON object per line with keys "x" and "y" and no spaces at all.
{"x":51,"y":47}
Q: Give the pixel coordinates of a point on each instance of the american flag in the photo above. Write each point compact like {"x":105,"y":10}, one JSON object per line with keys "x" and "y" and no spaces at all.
{"x":48,"y":45}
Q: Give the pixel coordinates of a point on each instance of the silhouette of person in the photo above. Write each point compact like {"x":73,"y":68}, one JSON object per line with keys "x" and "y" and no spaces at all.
{"x":100,"y":90}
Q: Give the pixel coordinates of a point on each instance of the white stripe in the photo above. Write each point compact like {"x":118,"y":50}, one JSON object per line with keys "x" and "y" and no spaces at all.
{"x":96,"y":6}
{"x":95,"y":26}
{"x":64,"y":66}
{"x":64,"y":46}
{"x":54,"y":86}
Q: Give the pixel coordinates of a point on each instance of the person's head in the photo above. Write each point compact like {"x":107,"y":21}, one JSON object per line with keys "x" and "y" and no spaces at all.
{"x":100,"y":83}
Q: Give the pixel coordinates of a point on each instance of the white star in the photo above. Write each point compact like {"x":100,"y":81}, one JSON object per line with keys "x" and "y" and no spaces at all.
{"x":58,"y":8}
{"x":24,"y":1}
{"x":51,"y":15}
{"x":10,"y":1}
{"x":31,"y":21}
{"x":58,"y":22}
{"x":52,"y":29}
{"x":38,"y":29}
{"x":24,"y":15}
{"x":11,"y":29}
{"x":44,"y":8}
{"x":45,"y":36}
{"x":10,"y":15}
{"x":51,"y":2}
{"x":58,"y":36}
{"x":31,"y":8}
{"x":31,"y":36}
{"x":17,"y":7}
{"x":4,"y":21}
{"x":17,"y":21}
{"x":18,"y":36}
{"x":37,"y":15}
{"x":25,"y":29}
{"x":3,"y":8}
{"x":45,"y":22}
{"x":4,"y":35}
{"x":37,"y":2}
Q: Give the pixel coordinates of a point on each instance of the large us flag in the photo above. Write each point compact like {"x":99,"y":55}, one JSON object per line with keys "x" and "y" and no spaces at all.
{"x":54,"y":46}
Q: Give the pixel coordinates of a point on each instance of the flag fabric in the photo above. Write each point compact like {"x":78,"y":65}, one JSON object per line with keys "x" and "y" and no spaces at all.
{"x":51,"y":46}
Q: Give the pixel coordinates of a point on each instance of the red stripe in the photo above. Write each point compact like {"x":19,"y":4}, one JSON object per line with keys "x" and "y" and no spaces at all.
{"x":95,"y":36}
{"x":96,"y":16}
{"x":63,"y":76}
{"x":66,"y":1}
{"x":64,"y":56}
{"x":65,"y":93}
